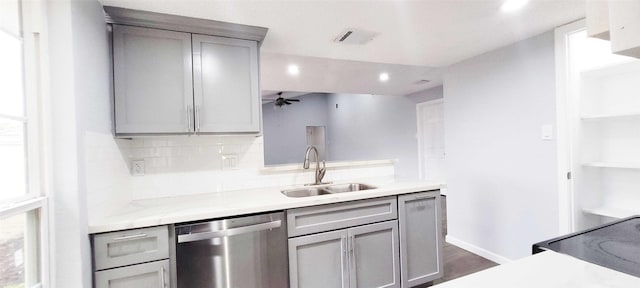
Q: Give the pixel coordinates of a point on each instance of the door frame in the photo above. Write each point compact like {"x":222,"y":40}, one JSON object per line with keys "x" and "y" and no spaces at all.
{"x":420,"y":134}
{"x":566,"y":202}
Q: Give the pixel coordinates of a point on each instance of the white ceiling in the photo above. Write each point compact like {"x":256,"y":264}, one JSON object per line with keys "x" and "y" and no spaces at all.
{"x":431,"y":33}
{"x":342,"y":76}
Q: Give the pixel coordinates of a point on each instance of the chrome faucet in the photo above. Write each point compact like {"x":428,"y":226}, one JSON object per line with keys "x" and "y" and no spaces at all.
{"x":319,"y":171}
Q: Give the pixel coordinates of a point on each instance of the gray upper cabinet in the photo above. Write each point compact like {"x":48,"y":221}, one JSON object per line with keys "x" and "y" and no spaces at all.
{"x":226,"y":90}
{"x":152,"y":80}
{"x":168,"y":82}
{"x":420,"y":238}
{"x":374,"y":258}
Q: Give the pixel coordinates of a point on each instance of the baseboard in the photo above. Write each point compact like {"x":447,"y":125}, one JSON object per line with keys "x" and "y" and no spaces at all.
{"x":477,"y":250}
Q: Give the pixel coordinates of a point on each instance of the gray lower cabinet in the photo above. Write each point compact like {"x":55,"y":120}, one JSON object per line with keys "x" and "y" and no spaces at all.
{"x":319,"y":260}
{"x":137,"y":258}
{"x":420,"y":238}
{"x":147,"y":275}
{"x":374,"y":259}
{"x":364,"y":256}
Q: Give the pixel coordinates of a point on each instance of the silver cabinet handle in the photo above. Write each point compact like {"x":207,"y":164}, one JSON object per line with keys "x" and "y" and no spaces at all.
{"x":162,"y":279}
{"x":352,"y":249}
{"x":197,"y":118}
{"x":343,"y":244}
{"x":189,"y":118}
{"x":129,"y":237}
{"x":228,"y":232}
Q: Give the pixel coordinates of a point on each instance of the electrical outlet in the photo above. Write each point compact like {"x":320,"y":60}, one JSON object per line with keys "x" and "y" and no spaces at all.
{"x":229,"y":161}
{"x":137,"y":167}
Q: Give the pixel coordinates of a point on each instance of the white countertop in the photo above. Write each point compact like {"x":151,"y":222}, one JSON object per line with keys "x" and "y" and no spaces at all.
{"x":169,"y":210}
{"x":549,"y":270}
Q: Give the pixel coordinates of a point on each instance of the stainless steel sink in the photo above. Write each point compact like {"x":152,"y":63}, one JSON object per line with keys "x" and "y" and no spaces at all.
{"x":327,"y":189}
{"x":350,"y":187}
{"x":305,"y":192}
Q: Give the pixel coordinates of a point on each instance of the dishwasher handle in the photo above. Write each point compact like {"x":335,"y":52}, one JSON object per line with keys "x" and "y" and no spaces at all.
{"x":228,"y":232}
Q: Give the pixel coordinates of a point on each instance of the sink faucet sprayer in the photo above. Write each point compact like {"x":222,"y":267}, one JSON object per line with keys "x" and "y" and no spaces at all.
{"x":319,"y":171}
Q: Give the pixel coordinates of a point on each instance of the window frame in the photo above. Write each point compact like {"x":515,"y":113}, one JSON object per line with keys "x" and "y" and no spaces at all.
{"x":34,"y":203}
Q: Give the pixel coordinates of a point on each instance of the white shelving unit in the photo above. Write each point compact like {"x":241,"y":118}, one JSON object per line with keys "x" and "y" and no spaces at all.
{"x":612,"y":165}
{"x":610,"y":212}
{"x":605,"y":138}
{"x":625,"y":116}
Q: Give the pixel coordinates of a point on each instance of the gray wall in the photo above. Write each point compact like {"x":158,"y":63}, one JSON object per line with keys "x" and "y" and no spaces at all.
{"x":363,"y":127}
{"x":285,"y":138}
{"x":427,"y":95}
{"x":501,"y":177}
{"x":366,"y":127}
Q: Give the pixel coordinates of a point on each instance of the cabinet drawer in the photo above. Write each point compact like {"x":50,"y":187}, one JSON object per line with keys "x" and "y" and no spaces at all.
{"x":122,"y":248}
{"x":316,"y":219}
{"x":147,"y":275}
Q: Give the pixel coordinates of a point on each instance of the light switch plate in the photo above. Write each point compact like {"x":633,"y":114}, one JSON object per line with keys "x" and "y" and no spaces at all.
{"x":547,"y":132}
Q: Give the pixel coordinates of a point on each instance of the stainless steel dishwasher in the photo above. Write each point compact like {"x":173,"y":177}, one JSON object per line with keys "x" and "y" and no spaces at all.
{"x":244,"y":252}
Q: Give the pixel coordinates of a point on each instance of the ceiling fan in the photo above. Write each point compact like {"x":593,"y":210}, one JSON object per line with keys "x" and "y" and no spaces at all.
{"x":281,"y":101}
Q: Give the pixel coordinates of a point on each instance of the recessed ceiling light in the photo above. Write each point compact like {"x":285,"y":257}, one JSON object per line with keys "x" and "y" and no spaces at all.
{"x":384,"y":77}
{"x":513,"y":5}
{"x":293,"y":70}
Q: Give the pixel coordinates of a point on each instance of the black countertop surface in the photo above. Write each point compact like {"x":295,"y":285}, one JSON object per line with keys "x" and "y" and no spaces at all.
{"x":614,"y":245}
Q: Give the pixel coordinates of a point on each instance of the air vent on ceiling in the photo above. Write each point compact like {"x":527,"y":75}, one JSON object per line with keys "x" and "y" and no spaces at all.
{"x":355,"y":36}
{"x":423,"y":81}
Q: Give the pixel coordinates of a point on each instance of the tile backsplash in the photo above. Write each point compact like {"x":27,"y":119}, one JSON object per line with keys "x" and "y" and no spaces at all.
{"x":189,"y":154}
{"x":182,"y":165}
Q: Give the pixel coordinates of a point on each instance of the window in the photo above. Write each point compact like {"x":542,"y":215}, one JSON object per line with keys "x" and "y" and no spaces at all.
{"x":22,"y":200}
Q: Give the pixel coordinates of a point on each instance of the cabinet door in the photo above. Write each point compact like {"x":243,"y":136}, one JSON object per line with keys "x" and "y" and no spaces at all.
{"x":319,"y":260}
{"x":128,"y":247}
{"x":420,"y":238}
{"x":152,"y":80}
{"x":624,"y":24}
{"x":148,"y":275}
{"x":373,"y":255}
{"x":225,"y":82}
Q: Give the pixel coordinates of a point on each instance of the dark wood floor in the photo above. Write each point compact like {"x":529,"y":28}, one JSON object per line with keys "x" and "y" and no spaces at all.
{"x":459,"y":262}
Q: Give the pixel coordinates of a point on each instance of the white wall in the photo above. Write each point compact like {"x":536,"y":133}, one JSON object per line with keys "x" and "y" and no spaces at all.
{"x":284,"y":128}
{"x":366,"y":127}
{"x":501,"y":176}
{"x":427,"y":95}
{"x":87,"y":168}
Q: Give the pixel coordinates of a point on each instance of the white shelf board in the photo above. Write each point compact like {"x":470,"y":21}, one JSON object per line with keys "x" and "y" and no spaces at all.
{"x":611,"y":212}
{"x":611,"y":116}
{"x":622,"y":65}
{"x":613,"y":165}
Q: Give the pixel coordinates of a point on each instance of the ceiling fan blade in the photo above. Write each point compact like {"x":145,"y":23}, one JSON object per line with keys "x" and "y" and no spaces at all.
{"x":294,"y":100}
{"x":287,"y":102}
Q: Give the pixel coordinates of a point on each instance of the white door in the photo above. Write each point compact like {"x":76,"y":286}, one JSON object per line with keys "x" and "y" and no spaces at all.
{"x":431,"y":140}
{"x":225,"y":83}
